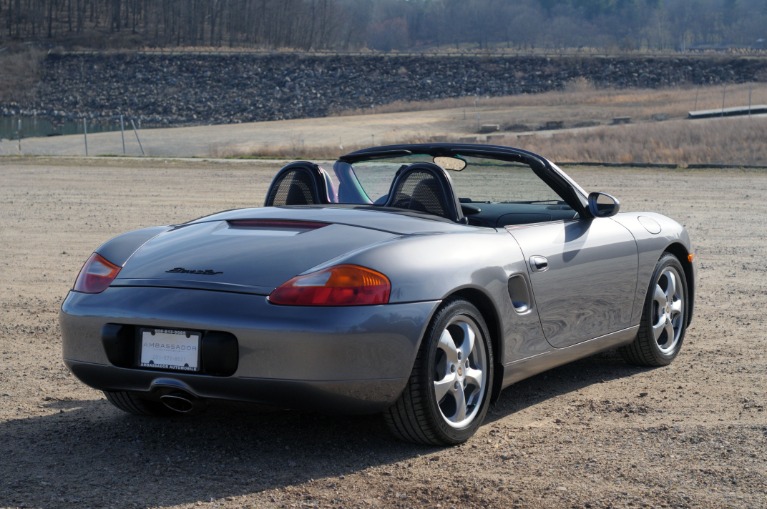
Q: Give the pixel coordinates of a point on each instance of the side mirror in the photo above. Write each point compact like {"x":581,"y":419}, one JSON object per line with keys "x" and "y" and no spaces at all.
{"x":603,"y":205}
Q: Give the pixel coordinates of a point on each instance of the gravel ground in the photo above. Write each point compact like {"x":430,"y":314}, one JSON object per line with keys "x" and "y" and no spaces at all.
{"x":596,"y":433}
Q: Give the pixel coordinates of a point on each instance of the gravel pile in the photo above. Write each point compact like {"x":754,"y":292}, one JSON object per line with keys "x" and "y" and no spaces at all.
{"x":213,"y":89}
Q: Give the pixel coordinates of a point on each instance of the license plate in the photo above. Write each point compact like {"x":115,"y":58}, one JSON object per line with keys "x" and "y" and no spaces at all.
{"x":170,"y":349}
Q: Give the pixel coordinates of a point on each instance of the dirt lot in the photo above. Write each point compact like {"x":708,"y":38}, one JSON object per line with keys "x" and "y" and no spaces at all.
{"x":597,"y":433}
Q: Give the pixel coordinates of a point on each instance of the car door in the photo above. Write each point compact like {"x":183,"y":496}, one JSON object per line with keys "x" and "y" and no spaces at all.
{"x":584,"y":275}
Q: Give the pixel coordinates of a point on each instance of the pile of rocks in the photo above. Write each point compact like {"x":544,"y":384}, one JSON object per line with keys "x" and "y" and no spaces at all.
{"x":187,"y":89}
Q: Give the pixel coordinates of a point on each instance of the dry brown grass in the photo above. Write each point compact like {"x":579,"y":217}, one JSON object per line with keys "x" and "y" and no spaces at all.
{"x":582,"y":101}
{"x":735,"y":141}
{"x":675,"y":140}
{"x":729,"y":141}
{"x":294,"y":151}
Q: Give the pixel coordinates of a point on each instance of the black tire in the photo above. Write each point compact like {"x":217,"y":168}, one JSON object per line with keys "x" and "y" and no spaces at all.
{"x":421,"y":415}
{"x":134,"y":404}
{"x":664,"y":317}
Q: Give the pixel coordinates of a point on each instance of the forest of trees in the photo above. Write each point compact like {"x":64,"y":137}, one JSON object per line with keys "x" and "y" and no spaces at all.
{"x":386,"y":25}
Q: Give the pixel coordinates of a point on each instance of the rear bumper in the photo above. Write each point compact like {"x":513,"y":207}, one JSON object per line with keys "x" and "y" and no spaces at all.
{"x":353,"y":359}
{"x":343,"y":396}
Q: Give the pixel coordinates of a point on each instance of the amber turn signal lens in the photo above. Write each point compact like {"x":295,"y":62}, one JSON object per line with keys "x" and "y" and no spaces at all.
{"x":343,"y":285}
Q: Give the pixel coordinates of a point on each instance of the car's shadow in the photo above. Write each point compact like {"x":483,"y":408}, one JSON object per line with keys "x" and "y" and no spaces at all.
{"x":90,"y":454}
{"x":571,"y":377}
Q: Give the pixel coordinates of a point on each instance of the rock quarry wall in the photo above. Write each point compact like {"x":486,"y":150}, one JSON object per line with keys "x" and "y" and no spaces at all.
{"x":188,"y":89}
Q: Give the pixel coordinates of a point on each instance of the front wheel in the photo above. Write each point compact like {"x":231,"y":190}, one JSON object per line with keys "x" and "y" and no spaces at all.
{"x":448,"y":393}
{"x":664,"y":317}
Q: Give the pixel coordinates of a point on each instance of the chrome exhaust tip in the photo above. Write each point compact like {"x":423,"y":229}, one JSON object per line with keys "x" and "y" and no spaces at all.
{"x":180,"y":402}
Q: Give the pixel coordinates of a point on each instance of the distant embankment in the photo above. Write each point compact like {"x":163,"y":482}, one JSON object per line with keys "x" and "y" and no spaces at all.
{"x":184,"y":89}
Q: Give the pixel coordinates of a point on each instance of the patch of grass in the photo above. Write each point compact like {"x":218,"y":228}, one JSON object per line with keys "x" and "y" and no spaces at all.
{"x":674,"y":140}
{"x":292,"y":151}
{"x":581,"y":101}
{"x":733,"y":141}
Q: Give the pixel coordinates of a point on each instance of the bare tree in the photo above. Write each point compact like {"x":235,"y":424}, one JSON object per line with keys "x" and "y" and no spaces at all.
{"x":392,"y":24}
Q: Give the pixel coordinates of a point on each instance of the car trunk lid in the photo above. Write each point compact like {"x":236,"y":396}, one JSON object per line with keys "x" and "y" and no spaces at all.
{"x":241,"y":254}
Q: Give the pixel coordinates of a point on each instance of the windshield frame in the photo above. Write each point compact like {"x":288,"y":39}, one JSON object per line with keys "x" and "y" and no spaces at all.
{"x":561,"y":184}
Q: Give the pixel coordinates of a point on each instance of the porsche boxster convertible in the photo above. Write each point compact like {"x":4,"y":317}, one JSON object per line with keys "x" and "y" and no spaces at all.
{"x":416,"y":281}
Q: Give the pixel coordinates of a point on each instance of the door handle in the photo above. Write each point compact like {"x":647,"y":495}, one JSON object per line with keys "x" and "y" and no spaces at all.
{"x":539,"y":263}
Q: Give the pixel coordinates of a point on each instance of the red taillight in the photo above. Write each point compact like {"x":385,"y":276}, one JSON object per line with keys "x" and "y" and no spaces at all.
{"x":343,"y":285}
{"x":96,"y":275}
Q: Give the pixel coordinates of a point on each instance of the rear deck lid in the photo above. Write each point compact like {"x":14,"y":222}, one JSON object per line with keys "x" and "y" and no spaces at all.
{"x":247,"y":255}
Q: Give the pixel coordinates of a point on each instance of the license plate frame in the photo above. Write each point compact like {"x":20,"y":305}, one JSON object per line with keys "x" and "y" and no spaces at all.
{"x":169,"y":349}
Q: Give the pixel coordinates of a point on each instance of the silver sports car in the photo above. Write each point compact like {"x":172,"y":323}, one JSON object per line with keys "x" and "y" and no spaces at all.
{"x":412,"y":280}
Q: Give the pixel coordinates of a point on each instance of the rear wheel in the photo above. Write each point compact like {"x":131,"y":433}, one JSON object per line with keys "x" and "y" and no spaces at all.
{"x":447,"y":395}
{"x":134,"y":404}
{"x":664,"y":318}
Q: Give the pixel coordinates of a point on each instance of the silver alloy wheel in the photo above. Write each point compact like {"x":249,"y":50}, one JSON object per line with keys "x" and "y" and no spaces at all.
{"x":668,"y":310}
{"x":460,"y":372}
{"x":448,"y":393}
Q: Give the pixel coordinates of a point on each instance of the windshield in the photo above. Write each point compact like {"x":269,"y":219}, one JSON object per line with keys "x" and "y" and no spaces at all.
{"x":483,"y":180}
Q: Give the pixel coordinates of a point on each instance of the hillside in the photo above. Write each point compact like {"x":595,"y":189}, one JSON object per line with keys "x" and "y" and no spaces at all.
{"x":156,"y":89}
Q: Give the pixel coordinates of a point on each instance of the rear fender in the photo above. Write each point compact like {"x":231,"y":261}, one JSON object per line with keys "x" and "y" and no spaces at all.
{"x":120,"y":248}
